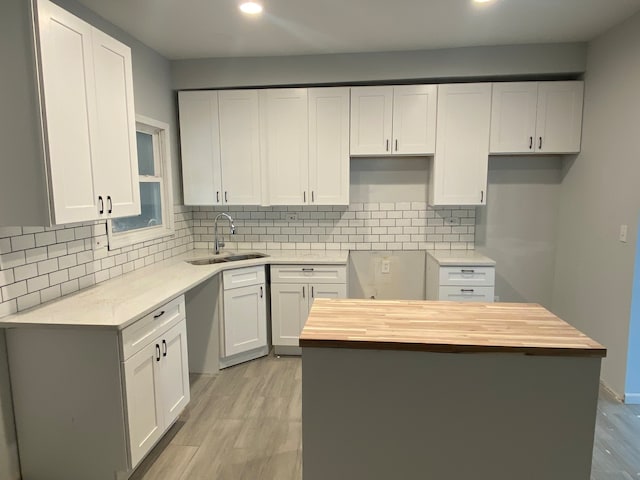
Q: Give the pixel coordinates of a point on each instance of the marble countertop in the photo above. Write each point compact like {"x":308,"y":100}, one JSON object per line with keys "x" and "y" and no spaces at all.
{"x":121,"y":301}
{"x":451,"y":258}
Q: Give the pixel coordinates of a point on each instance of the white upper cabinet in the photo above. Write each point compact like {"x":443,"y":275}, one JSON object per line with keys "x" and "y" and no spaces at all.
{"x":286,"y":144}
{"x":240,"y":146}
{"x":220,"y":143}
{"x":371,"y":120}
{"x":329,"y":146}
{"x":536,"y":117}
{"x":89,"y":119}
{"x":199,"y":144}
{"x":390,"y":120}
{"x":459,"y":169}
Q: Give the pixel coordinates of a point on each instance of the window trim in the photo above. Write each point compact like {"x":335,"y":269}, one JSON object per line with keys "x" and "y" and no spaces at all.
{"x":163,"y":151}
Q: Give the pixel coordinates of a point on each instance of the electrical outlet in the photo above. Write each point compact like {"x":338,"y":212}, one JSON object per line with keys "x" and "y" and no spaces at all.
{"x":623,"y":233}
{"x":386,"y":266}
{"x":291,"y":217}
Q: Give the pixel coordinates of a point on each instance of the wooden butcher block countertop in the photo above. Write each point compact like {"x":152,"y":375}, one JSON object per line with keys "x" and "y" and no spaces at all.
{"x":450,"y":327}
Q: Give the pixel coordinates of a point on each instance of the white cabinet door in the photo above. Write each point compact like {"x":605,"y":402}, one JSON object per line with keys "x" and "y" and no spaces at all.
{"x":70,"y":112}
{"x":329,"y":146}
{"x":200,"y":147}
{"x":174,"y":372}
{"x":513,"y":117}
{"x":286,"y":132}
{"x":240,"y":147}
{"x":559,"y":124}
{"x":289,"y":311}
{"x":371,"y":120}
{"x":245,"y":319}
{"x":142,"y":392}
{"x":414,"y":119}
{"x":116,"y":171}
{"x":459,"y":170}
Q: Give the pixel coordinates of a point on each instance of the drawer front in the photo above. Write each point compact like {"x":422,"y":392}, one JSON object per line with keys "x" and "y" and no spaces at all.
{"x":138,"y":335}
{"x":468,"y":276}
{"x":243,"y":277}
{"x":308,"y":274}
{"x":466,"y":294}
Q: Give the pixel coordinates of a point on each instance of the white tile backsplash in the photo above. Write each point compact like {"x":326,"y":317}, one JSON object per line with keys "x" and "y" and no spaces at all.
{"x":40,"y":264}
{"x":360,"y":226}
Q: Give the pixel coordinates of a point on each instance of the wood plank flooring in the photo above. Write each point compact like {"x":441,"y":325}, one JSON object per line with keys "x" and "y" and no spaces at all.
{"x":245,"y":424}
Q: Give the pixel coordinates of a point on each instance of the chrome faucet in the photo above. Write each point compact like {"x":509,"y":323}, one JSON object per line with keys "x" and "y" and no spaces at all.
{"x":218,"y":243}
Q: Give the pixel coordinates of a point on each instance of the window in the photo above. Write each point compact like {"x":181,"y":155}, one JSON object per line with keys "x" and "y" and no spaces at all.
{"x":154,"y":169}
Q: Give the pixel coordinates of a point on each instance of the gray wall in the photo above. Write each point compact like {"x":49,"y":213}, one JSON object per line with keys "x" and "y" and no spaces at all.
{"x":477,"y":62}
{"x":153,"y":98}
{"x":594,"y":271}
{"x":518,"y":226}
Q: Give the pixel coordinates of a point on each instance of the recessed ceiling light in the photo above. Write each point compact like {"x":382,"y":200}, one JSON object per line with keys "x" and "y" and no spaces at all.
{"x":251,"y":8}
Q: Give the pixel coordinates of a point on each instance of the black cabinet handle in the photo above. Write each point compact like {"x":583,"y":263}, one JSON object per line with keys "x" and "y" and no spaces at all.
{"x":261,"y":292}
{"x":466,"y":290}
{"x":157,"y":352}
{"x":218,"y":197}
{"x":159,"y":314}
{"x":110,"y":204}
{"x":312,"y":292}
{"x":540,"y":144}
{"x":530,"y":143}
{"x":303,"y":296}
{"x":226,"y":197}
{"x":164,"y":348}
{"x":101,"y":203}
{"x":387,"y":147}
{"x":313,"y":196}
{"x":304,"y":196}
{"x":481,"y":196}
{"x":396,"y":144}
{"x":307,"y":269}
{"x":464,"y":270}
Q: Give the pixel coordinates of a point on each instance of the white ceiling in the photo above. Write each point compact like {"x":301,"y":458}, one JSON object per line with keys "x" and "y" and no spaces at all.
{"x":181,"y":29}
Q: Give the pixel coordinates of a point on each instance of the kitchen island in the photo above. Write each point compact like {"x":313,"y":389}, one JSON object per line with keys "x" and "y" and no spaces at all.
{"x":446,"y":390}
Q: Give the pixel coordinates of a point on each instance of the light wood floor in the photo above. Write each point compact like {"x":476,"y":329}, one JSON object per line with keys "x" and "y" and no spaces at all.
{"x":245,"y":423}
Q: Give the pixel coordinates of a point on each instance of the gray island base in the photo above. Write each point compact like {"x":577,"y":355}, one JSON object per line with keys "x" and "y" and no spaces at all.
{"x":380,"y":414}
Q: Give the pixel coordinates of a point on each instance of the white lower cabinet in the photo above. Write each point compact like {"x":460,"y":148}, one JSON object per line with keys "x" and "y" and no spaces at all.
{"x":156,"y":389}
{"x":91,"y":402}
{"x":460,"y":283}
{"x":244,"y":326}
{"x":293,"y":289}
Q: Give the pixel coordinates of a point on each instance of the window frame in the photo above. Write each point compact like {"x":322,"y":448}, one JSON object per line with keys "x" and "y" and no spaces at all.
{"x":162,"y":160}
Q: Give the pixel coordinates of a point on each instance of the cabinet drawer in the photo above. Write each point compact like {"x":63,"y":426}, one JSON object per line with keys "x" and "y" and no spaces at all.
{"x":308,"y":274}
{"x":243,"y":277}
{"x":466,"y":294}
{"x":135,"y":337}
{"x":467,"y":276}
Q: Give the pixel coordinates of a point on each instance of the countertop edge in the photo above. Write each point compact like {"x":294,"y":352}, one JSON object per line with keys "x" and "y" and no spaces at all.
{"x":451,"y":348}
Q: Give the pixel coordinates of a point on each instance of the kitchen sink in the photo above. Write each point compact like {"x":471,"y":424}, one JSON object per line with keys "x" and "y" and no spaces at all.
{"x":227,"y":258}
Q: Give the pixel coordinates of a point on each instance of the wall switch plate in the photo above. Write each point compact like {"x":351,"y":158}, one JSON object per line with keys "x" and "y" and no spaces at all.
{"x":386,"y":266}
{"x":623,"y":233}
{"x":291,"y":217}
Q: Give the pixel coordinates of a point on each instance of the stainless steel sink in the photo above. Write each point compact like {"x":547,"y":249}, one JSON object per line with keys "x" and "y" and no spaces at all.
{"x":227,"y":258}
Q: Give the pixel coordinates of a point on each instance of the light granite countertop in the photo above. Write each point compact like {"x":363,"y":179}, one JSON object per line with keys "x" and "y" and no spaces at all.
{"x":121,"y":301}
{"x":452,"y":258}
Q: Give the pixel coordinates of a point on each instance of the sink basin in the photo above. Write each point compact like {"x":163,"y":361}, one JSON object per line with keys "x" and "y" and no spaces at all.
{"x":226,"y":259}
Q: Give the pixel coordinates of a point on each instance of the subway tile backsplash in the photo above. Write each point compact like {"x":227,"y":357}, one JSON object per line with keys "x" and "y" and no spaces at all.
{"x":39,"y":264}
{"x":360,"y":226}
